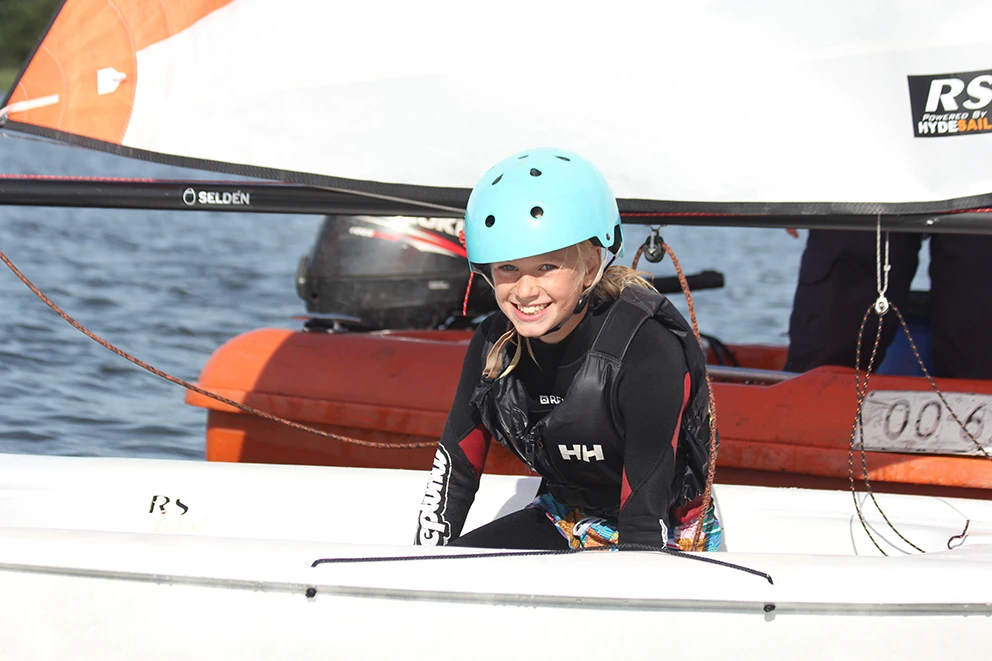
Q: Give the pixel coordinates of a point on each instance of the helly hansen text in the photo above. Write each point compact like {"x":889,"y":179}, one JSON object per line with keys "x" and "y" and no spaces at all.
{"x":582,"y":452}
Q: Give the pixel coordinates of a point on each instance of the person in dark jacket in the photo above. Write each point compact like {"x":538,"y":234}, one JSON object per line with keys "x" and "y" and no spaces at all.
{"x":586,"y":373}
{"x":837,"y":284}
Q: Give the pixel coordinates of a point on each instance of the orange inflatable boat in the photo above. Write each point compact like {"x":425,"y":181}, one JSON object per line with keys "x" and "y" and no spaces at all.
{"x":775,"y":427}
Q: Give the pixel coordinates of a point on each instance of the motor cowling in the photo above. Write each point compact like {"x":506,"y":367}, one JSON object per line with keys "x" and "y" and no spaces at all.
{"x":394,"y":272}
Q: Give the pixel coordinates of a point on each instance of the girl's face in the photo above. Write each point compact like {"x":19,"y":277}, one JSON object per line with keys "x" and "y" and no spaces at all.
{"x":538,"y":293}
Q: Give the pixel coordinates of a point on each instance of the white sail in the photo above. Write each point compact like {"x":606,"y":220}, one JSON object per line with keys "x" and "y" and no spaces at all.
{"x":716,"y":103}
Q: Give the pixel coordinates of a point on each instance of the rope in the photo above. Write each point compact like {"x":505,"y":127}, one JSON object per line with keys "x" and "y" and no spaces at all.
{"x":509,"y":553}
{"x":471,"y":275}
{"x":881,"y":271}
{"x":960,"y":537}
{"x":697,"y":542}
{"x":189,"y":386}
{"x":881,"y":306}
{"x":857,"y":429}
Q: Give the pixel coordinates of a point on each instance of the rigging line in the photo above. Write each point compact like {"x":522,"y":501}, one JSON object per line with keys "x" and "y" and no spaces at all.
{"x":27,"y":137}
{"x":394,"y":198}
{"x":880,"y":307}
{"x":881,"y":271}
{"x":697,"y":539}
{"x":509,"y":553}
{"x":194,"y":388}
{"x":858,"y":429}
{"x":713,"y":445}
{"x":959,"y":536}
{"x":933,"y":385}
{"x":862,"y":393}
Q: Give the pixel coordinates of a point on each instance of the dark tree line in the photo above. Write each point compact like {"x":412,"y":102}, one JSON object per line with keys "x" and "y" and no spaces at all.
{"x":21,"y":23}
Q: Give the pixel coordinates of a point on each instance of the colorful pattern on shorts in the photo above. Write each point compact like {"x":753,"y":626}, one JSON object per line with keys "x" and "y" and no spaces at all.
{"x":682,"y":536}
{"x":584,"y":530}
{"x":579,"y":529}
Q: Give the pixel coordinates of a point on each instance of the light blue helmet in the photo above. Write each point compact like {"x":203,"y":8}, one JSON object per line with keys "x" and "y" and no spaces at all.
{"x":539,"y":201}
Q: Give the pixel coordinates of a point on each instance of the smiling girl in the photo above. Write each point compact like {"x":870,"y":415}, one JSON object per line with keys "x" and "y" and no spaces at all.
{"x":592,"y":378}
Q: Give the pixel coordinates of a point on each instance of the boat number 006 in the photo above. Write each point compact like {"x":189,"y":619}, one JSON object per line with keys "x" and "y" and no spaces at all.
{"x":926,"y":422}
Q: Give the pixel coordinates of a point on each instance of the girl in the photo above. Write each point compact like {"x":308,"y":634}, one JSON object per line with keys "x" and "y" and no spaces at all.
{"x":587,"y":374}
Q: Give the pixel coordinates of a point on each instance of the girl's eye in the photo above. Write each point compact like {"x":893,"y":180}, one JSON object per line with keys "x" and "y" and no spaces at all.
{"x":506,"y":267}
{"x":548,"y":267}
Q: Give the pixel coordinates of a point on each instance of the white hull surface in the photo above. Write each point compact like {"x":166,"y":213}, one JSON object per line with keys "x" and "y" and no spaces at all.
{"x":87,"y":571}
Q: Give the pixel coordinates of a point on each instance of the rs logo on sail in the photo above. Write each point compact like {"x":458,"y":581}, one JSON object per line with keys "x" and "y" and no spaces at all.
{"x":434,"y":529}
{"x":951,"y":104}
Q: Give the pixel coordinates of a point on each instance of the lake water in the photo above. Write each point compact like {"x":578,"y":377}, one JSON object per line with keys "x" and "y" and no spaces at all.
{"x":171,"y":287}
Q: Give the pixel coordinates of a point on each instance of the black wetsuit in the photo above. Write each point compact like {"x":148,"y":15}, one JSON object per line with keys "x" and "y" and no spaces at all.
{"x":837,"y":283}
{"x":650,"y":395}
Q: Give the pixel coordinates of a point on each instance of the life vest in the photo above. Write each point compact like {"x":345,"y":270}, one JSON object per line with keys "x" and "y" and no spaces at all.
{"x":558,"y":447}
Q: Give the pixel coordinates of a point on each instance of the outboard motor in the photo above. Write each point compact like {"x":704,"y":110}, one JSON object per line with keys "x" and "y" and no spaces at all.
{"x":394,"y":272}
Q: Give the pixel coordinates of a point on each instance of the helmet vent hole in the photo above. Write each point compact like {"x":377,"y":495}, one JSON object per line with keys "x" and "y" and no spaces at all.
{"x":534,"y":172}
{"x":564,"y":158}
{"x":537,"y":212}
{"x":490,"y":221}
{"x":496,"y":180}
{"x":520,"y":158}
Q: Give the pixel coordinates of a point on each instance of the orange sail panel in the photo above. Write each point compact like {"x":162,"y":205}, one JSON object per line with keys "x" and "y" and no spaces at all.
{"x":83,"y":78}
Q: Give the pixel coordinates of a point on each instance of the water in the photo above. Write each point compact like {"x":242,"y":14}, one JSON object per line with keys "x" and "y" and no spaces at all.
{"x":171,"y":287}
{"x":168,"y":287}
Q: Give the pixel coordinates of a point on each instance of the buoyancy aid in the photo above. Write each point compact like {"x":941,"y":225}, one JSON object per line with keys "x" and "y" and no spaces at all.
{"x":578,"y":446}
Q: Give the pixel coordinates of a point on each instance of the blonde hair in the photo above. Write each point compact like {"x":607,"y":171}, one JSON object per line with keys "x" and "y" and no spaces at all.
{"x":615,"y":279}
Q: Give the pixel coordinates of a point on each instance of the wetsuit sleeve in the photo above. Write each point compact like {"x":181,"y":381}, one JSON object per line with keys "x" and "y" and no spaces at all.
{"x":652,"y":392}
{"x":459,"y":460}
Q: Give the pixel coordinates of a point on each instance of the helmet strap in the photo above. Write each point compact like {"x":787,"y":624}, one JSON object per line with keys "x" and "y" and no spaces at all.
{"x":583,"y":299}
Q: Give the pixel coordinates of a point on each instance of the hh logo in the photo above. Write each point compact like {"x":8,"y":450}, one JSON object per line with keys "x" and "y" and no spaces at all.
{"x":569,"y":452}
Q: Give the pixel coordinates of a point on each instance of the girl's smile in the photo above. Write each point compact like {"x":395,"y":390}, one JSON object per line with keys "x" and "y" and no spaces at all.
{"x":539,"y":293}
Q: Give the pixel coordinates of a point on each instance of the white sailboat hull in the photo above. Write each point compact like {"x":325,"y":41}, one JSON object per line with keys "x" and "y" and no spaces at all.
{"x":87,"y":572}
